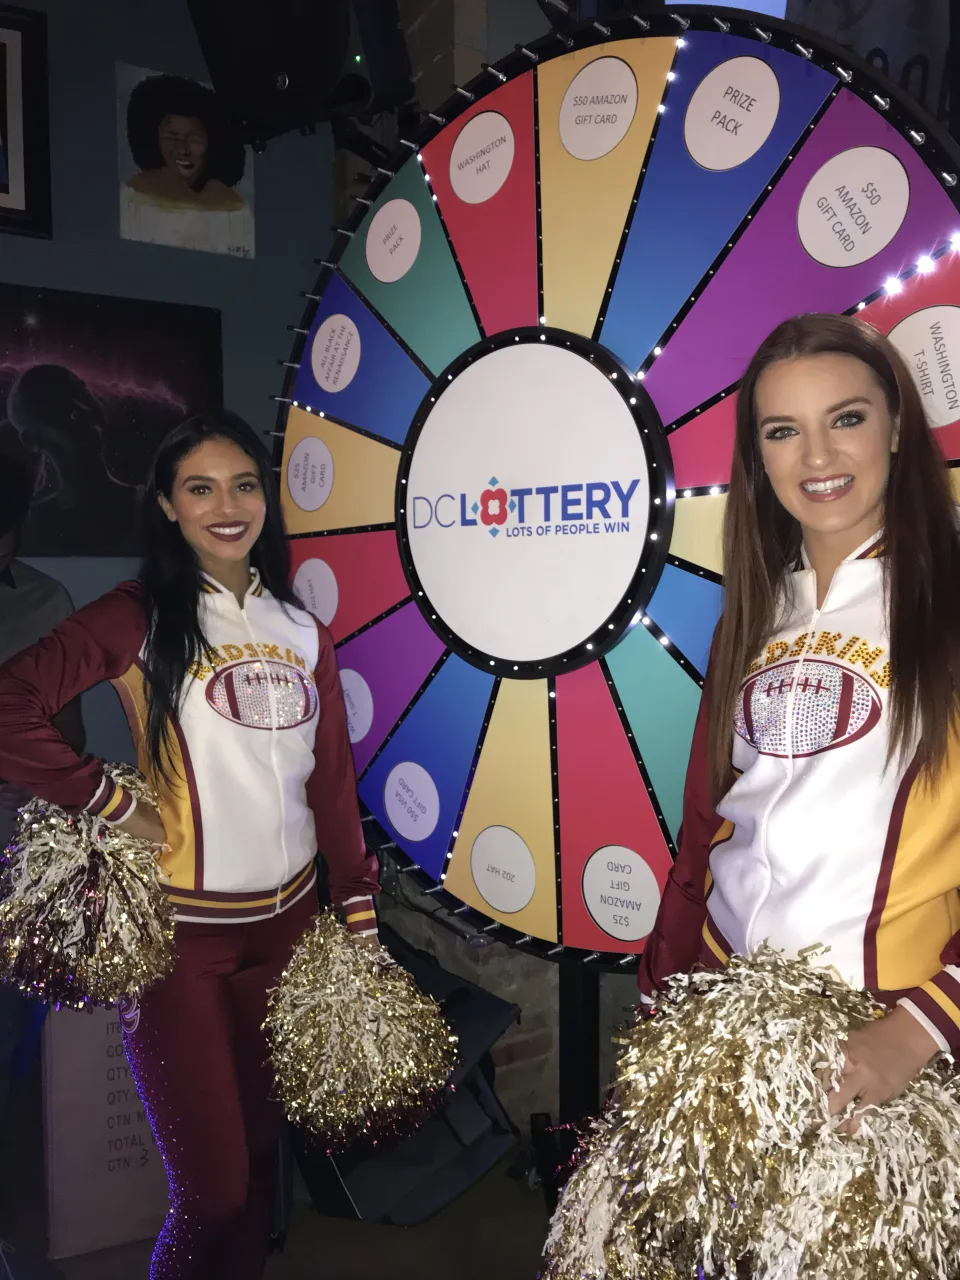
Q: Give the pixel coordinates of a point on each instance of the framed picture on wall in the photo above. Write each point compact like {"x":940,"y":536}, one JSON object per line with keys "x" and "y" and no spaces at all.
{"x":186,"y":178}
{"x":89,"y":386}
{"x":24,"y":123}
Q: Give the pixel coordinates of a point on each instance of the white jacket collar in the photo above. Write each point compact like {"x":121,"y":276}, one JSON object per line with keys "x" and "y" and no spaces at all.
{"x":211,"y":586}
{"x":868,"y":550}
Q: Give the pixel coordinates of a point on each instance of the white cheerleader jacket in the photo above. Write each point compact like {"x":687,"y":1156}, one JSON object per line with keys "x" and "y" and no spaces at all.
{"x":262,"y":767}
{"x":820,"y":840}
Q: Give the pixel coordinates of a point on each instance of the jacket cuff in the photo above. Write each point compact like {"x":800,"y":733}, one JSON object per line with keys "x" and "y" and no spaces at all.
{"x":360,"y":916}
{"x":936,"y":1005}
{"x":111,"y":803}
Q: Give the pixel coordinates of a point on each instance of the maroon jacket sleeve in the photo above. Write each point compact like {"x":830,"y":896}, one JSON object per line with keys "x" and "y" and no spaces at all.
{"x":674,"y":945}
{"x":99,"y":642}
{"x":332,"y":795}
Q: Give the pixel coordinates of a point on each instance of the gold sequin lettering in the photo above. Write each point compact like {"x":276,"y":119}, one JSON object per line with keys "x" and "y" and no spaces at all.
{"x":865,"y":655}
{"x":883,"y":677}
{"x":827,"y":642}
{"x":848,"y":647}
{"x":779,"y":649}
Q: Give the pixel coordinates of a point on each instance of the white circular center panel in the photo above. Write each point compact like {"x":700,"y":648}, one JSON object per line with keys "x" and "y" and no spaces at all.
{"x":929,"y":341}
{"x":482,"y":157}
{"x":598,"y":108}
{"x":527,"y":502}
{"x":853,"y":206}
{"x":621,"y":893}
{"x":732,"y":113}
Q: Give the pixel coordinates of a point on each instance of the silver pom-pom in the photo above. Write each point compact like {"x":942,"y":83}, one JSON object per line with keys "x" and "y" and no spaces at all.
{"x":359,"y":1051}
{"x":83,"y":917}
{"x":720,"y":1157}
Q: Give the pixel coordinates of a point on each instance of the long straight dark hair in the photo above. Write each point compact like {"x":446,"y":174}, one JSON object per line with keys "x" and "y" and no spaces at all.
{"x":171,"y":578}
{"x":761,"y":545}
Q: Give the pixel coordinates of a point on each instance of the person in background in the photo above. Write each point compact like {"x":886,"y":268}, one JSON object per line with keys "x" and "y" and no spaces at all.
{"x":234,"y":701}
{"x":32,"y":604}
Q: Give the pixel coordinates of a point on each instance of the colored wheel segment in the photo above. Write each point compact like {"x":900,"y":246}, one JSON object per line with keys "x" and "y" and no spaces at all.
{"x":856,"y":204}
{"x":484,"y":172}
{"x":347,"y":580}
{"x":508,"y":431}
{"x":598,"y":109}
{"x":504,"y":859}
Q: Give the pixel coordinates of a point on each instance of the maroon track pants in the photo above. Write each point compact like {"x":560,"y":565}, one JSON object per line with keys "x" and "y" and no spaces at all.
{"x":199,"y":1057}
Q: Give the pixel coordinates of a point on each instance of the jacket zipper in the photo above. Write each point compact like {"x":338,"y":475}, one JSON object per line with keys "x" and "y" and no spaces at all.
{"x":273,"y":760}
{"x":791,"y":702}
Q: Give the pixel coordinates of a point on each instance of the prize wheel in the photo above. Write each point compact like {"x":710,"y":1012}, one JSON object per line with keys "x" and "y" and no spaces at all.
{"x":507,"y":425}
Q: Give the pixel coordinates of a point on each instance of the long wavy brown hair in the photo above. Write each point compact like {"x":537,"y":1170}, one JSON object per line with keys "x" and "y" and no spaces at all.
{"x":761,"y":545}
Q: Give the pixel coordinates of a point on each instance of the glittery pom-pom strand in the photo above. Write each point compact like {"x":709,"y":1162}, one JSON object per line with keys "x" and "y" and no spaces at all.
{"x":360,"y":1053}
{"x":83,"y":917}
{"x":720,"y":1158}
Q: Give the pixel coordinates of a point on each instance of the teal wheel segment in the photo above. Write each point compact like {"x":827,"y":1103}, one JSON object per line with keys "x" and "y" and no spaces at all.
{"x":660,"y":702}
{"x":400,"y":261}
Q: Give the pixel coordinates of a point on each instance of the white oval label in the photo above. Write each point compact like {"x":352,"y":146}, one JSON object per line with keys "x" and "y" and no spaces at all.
{"x":929,"y":341}
{"x":482,"y":157}
{"x":316,"y":585}
{"x":621,"y":893}
{"x":732,"y":113}
{"x":310,"y":473}
{"x":598,"y":108}
{"x":411,"y":800}
{"x":503,"y":869}
{"x":853,"y":207}
{"x":335,"y":353}
{"x":359,"y":703}
{"x":393,"y":240}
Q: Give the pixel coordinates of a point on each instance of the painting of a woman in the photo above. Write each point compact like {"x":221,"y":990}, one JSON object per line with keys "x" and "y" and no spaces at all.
{"x":189,"y":169}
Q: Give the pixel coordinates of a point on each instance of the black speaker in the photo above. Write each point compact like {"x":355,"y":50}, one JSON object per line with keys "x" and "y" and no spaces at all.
{"x":279,"y":65}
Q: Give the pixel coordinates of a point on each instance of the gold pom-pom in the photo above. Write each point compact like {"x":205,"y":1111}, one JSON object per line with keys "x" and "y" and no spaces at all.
{"x":720,"y":1158}
{"x":83,"y":917}
{"x":358,"y":1050}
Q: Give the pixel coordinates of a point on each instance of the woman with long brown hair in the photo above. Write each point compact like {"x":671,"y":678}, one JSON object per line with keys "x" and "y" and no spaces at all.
{"x":822,"y":802}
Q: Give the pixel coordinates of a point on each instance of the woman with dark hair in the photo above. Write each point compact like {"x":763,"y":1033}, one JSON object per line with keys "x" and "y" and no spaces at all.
{"x":235,"y":705}
{"x":822,"y":803}
{"x":190,"y":160}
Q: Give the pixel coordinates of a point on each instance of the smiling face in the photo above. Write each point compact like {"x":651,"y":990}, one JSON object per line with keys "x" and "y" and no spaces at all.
{"x":827,"y":438}
{"x":183,"y":145}
{"x":218,"y":502}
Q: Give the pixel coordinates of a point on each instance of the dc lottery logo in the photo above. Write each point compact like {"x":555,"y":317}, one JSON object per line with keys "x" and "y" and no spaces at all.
{"x":542,"y":559}
{"x":581,"y":508}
